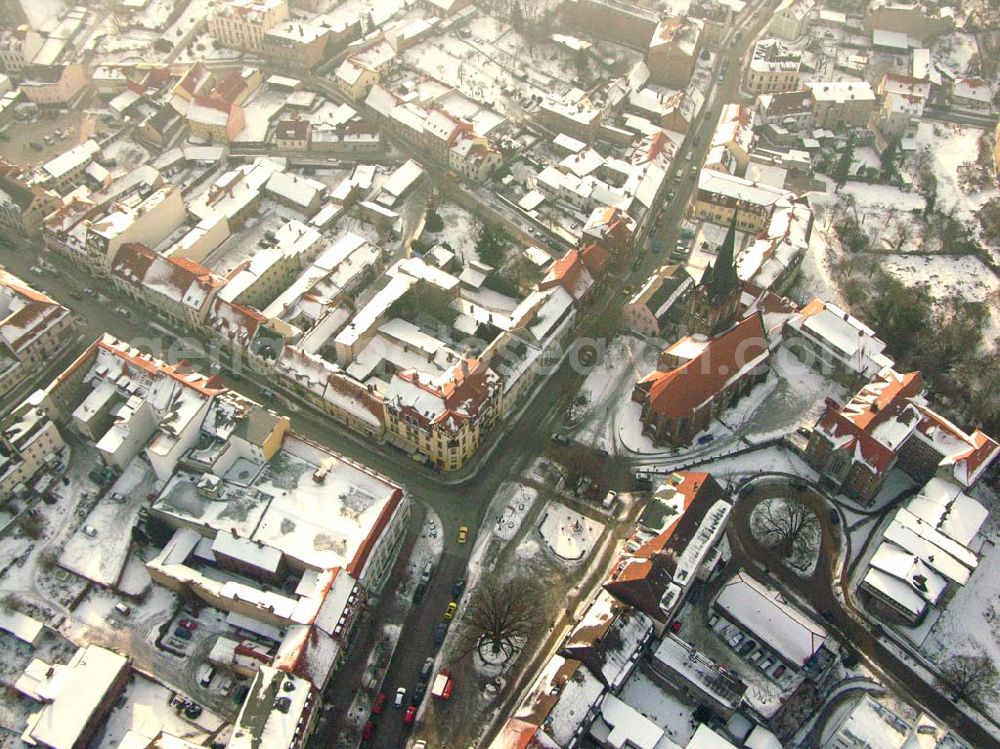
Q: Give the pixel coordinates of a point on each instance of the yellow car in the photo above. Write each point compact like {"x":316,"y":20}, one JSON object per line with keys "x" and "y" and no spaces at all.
{"x":463,"y":534}
{"x":450,"y":611}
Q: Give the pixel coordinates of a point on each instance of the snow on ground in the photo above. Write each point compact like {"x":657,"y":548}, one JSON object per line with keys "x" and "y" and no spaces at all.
{"x":428,"y":548}
{"x":971,"y":621}
{"x":98,"y":550}
{"x":945,"y":276}
{"x":873,"y":199}
{"x":461,"y":229}
{"x":955,"y":51}
{"x":512,"y":503}
{"x":950,"y":146}
{"x":146,"y":710}
{"x":608,"y":389}
{"x":775,"y":459}
{"x":568,"y":534}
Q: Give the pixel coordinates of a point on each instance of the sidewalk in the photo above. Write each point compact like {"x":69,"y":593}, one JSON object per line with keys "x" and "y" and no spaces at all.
{"x":349,"y":677}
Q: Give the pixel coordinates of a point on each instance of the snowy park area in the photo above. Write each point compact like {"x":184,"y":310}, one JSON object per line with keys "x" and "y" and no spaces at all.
{"x":568,"y":534}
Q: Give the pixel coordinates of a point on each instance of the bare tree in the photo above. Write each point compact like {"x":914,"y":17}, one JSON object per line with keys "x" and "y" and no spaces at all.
{"x":970,"y":677}
{"x":501,"y":615}
{"x":789,"y":528}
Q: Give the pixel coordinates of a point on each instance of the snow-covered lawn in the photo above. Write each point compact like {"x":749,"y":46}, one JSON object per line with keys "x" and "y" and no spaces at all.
{"x":950,"y":146}
{"x":671,"y":713}
{"x":512,"y":503}
{"x":568,"y":534}
{"x":971,"y":621}
{"x":460,"y":232}
{"x":945,"y":277}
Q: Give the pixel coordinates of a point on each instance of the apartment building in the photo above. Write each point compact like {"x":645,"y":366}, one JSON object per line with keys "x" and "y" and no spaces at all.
{"x":242,"y":24}
{"x":773,"y":68}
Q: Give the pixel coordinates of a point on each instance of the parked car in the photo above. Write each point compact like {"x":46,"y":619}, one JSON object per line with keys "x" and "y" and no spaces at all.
{"x":410,"y":715}
{"x":675,"y":626}
{"x":463,"y":534}
{"x":427,"y":669}
{"x":457,"y":589}
{"x":746,"y":647}
{"x":182,"y":633}
{"x":367,"y":731}
{"x":834,"y":516}
{"x":780,"y":670}
{"x":418,"y":592}
{"x":450,"y":611}
{"x":765,"y":665}
{"x":418,"y":694}
{"x":712,"y":620}
{"x":89,"y":530}
{"x":123,"y":609}
{"x":192,"y":711}
{"x":705,"y":439}
{"x":562,"y":439}
{"x":379,"y":704}
{"x":756,"y":656}
{"x":205,"y":673}
{"x":735,"y":639}
{"x":609,"y":499}
{"x":36,"y":270}
{"x":439,"y":632}
{"x":36,"y":146}
{"x":188,"y":624}
{"x":400,"y":697}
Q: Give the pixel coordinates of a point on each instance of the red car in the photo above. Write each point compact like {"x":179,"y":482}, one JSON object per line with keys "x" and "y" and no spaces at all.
{"x":366,"y":732}
{"x":379,"y":703}
{"x":676,"y":626}
{"x":187,"y":624}
{"x":410,"y":716}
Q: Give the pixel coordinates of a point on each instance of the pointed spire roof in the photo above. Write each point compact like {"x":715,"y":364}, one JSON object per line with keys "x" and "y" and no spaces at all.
{"x":723,"y":278}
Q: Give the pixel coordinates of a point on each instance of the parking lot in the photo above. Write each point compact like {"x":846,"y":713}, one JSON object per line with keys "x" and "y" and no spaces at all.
{"x":74,"y":126}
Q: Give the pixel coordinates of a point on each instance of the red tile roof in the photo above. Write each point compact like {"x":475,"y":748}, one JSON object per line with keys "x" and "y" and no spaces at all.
{"x":678,"y":392}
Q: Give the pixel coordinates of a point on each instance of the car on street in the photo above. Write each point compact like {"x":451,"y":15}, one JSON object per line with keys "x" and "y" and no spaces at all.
{"x":400,"y":697}
{"x":418,"y":694}
{"x":427,"y":669}
{"x":379,"y":704}
{"x":458,"y":588}
{"x":420,"y":745}
{"x":449,"y":612}
{"x":418,"y":592}
{"x":834,"y":516}
{"x":463,"y":534}
{"x":410,"y":715}
{"x":439,"y":632}
{"x":367,"y":731}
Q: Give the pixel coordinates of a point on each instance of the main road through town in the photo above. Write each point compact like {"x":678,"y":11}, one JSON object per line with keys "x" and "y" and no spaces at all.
{"x":458,"y":500}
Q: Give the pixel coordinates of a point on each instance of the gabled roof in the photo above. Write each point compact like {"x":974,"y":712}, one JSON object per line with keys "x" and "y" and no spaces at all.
{"x":678,"y":392}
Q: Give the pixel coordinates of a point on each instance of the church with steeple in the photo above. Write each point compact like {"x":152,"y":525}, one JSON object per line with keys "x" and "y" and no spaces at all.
{"x":715,"y":301}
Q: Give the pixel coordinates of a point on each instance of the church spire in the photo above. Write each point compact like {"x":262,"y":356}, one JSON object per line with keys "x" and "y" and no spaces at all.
{"x":724,"y":279}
